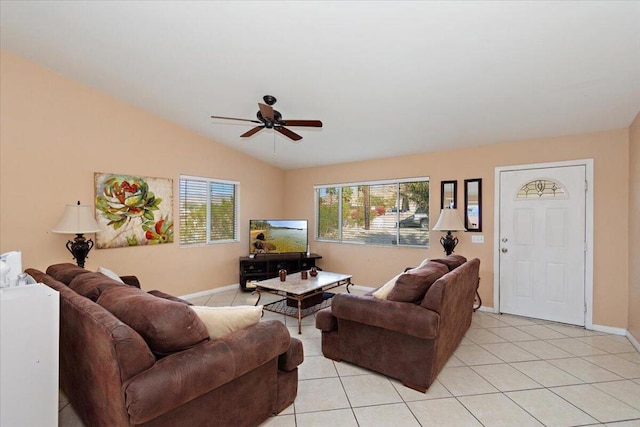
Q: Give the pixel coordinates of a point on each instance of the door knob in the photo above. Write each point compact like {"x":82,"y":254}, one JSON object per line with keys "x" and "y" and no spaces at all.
{"x":504,"y":250}
{"x":505,"y":240}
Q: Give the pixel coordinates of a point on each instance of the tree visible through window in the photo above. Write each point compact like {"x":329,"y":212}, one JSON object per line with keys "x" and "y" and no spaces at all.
{"x":378,"y":213}
{"x":208,"y":211}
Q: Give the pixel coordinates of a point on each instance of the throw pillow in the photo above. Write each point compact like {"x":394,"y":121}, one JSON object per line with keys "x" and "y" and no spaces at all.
{"x":65,"y":272}
{"x":414,"y":284}
{"x":221,"y":321}
{"x":91,"y":285}
{"x":167,"y":326}
{"x":383,"y":291}
{"x":110,"y":274}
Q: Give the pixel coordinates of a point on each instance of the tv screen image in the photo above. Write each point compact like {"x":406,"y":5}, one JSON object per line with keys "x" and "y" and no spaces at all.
{"x":277,"y":236}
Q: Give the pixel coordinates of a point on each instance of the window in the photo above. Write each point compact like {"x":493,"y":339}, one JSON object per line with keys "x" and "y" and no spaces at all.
{"x":392,"y":213}
{"x":542,"y":188}
{"x":208,"y":211}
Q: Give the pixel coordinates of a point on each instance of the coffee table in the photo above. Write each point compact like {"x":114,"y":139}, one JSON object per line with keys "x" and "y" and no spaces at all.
{"x":297,"y":290}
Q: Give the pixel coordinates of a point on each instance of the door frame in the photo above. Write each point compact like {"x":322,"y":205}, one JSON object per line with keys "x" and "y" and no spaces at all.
{"x":588,"y":265}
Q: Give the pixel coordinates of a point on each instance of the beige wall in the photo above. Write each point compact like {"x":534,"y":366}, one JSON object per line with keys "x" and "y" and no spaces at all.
{"x":634,"y":229}
{"x":55,"y":133}
{"x":372,"y":266}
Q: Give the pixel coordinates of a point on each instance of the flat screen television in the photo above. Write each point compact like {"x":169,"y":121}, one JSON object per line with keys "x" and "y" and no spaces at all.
{"x":278,"y":236}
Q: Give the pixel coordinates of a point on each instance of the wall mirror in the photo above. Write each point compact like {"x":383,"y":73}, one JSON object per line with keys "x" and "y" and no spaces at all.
{"x":448,"y":194}
{"x":473,"y":204}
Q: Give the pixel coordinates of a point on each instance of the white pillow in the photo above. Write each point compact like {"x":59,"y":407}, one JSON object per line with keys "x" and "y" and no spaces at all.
{"x":221,"y":321}
{"x":110,"y":274}
{"x":384,"y":290}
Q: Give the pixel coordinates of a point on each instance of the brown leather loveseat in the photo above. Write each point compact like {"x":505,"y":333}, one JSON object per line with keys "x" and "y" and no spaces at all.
{"x":153,"y":364}
{"x":411,"y":333}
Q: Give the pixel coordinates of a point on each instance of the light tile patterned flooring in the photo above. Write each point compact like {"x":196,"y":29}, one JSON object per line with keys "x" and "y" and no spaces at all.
{"x":508,"y":371}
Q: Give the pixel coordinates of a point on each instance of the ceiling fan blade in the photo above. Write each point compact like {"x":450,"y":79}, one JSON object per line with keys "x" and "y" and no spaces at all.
{"x":251,"y":131}
{"x":308,"y":123}
{"x":234,"y":118}
{"x":289,"y":134}
{"x":266,"y":111}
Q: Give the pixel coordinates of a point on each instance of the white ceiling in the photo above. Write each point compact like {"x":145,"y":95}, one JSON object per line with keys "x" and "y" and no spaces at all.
{"x":386,"y":78}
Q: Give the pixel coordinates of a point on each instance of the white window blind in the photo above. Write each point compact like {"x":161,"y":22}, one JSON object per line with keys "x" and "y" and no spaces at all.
{"x":376,"y":213}
{"x":208,"y":211}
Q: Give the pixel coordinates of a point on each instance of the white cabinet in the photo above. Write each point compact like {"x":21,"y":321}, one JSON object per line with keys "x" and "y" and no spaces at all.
{"x":29,"y":335}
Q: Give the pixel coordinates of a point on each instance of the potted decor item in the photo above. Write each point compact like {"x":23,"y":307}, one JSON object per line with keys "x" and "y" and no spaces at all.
{"x":313,"y":272}
{"x":283,"y":275}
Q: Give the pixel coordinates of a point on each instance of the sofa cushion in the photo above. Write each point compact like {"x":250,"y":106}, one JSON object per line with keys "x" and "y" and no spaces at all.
{"x":65,"y":272}
{"x":414,"y":284}
{"x":221,"y":321}
{"x":91,"y":285}
{"x":452,"y":261}
{"x":167,"y":326}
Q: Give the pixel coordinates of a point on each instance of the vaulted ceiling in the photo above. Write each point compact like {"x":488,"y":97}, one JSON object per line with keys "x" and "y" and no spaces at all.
{"x":386,"y":78}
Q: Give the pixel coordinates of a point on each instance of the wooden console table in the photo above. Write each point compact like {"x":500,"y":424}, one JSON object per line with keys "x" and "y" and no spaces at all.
{"x":266,"y":266}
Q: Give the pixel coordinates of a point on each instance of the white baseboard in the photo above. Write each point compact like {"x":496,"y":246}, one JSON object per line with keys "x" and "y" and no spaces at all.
{"x":486,"y":309}
{"x":634,"y":341}
{"x":609,"y":330}
{"x":362,"y":288}
{"x":210,"y":291}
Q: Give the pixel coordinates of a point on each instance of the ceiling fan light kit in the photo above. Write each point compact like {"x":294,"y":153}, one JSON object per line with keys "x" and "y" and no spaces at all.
{"x":268,"y":118}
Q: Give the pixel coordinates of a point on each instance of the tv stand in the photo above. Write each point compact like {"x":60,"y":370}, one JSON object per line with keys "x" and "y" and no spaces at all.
{"x":266,"y":266}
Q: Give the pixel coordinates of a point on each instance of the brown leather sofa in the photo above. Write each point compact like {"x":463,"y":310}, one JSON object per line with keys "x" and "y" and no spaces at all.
{"x":155,"y":364}
{"x":409,"y":340}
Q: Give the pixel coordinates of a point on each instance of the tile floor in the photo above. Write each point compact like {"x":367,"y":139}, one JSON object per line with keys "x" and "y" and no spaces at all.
{"x":508,"y":371}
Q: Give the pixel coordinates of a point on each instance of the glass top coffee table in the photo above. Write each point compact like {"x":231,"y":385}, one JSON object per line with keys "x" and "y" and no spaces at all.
{"x":301,"y":297}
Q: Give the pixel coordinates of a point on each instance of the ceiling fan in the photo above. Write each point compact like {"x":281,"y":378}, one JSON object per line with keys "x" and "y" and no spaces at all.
{"x":272,"y":119}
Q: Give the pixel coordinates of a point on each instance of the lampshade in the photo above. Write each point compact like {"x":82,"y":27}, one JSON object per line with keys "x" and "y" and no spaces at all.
{"x":77,"y":219}
{"x":449,"y":221}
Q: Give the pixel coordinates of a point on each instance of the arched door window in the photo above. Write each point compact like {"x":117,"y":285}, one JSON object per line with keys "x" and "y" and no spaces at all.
{"x":542,"y":189}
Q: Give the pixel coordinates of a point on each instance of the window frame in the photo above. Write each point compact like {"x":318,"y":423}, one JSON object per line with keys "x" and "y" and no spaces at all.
{"x":208,"y":231}
{"x":340,"y":186}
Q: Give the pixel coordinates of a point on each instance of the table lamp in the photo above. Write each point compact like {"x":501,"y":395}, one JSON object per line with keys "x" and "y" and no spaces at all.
{"x":449,"y":221}
{"x":78,"y":219}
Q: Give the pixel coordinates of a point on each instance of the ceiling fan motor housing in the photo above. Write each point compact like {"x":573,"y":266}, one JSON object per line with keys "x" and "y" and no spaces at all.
{"x":269,"y":124}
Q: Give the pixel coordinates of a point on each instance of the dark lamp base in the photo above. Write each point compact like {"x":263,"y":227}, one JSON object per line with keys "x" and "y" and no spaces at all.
{"x":79,"y":248}
{"x":449,"y":243}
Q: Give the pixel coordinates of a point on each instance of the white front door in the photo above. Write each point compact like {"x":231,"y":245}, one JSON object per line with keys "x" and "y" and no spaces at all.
{"x":542,"y":243}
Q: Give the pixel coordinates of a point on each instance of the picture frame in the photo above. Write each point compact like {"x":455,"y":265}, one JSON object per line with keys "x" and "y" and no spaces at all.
{"x":449,"y":194}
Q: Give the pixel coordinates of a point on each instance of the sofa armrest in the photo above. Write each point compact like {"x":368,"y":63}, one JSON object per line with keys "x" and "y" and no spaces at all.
{"x":184,"y":376}
{"x":403,"y":317}
{"x":326,"y":321}
{"x":294,"y":356}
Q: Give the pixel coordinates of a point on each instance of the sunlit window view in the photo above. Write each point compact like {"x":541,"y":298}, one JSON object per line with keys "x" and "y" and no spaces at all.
{"x":375,"y":213}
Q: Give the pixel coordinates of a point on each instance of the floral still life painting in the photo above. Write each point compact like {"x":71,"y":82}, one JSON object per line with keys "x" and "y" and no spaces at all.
{"x":133,"y":210}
